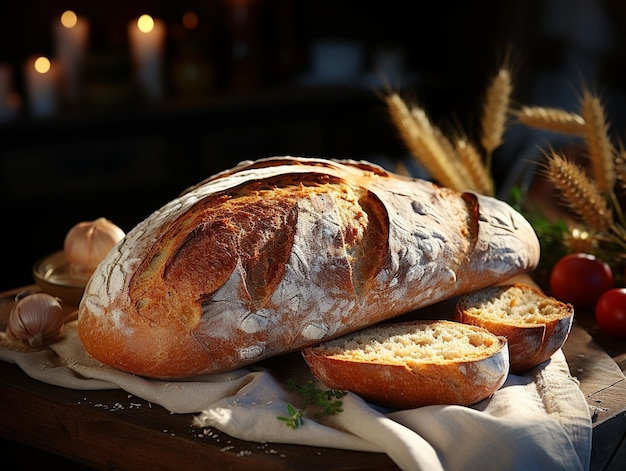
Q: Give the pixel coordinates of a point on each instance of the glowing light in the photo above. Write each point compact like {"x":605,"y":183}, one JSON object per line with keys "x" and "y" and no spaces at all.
{"x":147,"y":37}
{"x":42,"y":65}
{"x":41,"y":82}
{"x":190,"y":20}
{"x":69,"y":19}
{"x":145,"y":23}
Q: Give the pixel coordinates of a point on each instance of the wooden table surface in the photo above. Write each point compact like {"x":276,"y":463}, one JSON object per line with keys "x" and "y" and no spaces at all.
{"x":114,"y":430}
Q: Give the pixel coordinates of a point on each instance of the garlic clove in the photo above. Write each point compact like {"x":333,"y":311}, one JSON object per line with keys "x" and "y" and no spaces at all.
{"x":37,"y":319}
{"x":88,"y":242}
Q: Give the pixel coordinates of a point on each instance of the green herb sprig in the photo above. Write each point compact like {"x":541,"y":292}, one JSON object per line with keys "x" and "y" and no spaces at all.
{"x":326,"y":402}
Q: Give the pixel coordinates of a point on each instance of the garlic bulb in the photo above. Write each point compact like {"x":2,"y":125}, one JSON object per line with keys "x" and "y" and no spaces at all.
{"x":37,"y":319}
{"x":87,"y":243}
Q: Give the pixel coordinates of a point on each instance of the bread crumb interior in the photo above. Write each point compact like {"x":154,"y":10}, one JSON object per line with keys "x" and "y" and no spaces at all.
{"x":515,"y":305}
{"x":413,"y":344}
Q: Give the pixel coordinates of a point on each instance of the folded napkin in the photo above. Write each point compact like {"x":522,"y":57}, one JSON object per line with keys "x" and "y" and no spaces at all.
{"x":537,"y":421}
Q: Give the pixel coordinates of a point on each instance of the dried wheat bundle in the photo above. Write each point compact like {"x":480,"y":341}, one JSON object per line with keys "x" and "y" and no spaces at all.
{"x":459,"y":165}
{"x":579,"y":192}
{"x":551,"y":119}
{"x":433,"y":149}
{"x":601,"y":151}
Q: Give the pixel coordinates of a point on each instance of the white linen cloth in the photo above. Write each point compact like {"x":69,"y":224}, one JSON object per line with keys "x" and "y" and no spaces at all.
{"x":538,"y":421}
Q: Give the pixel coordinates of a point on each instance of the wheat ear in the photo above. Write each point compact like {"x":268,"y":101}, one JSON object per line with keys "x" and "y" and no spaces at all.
{"x":495,"y":111}
{"x":473,"y":163}
{"x":596,"y":135}
{"x":457,"y":166}
{"x":551,"y":119}
{"x":578,"y":192}
{"x":416,"y":132}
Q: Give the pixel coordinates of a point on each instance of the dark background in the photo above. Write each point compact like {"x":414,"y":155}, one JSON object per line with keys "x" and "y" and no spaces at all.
{"x":117,"y":155}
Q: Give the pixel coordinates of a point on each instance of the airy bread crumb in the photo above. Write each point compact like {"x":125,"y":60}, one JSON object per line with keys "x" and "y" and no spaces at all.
{"x":535,"y":325}
{"x":515,"y":305}
{"x":413,"y":344}
{"x":413,"y":364}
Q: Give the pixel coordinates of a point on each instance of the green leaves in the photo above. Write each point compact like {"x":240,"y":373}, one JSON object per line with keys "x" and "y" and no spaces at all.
{"x":325,"y":402}
{"x":294,"y":420}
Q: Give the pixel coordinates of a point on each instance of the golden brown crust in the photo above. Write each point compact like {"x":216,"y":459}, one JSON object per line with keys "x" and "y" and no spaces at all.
{"x":279,"y":254}
{"x":531,"y":340}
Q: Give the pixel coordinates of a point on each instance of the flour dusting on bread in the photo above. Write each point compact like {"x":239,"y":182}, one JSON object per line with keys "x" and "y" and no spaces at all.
{"x":281,"y":253}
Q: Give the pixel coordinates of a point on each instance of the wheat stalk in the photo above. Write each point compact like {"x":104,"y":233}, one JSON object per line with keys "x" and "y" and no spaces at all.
{"x":454,"y":159}
{"x":596,"y":135}
{"x":495,"y":111}
{"x":551,"y":119}
{"x":472,"y":162}
{"x":421,"y":118}
{"x":416,"y":131}
{"x":620,"y":167}
{"x":578,"y":192}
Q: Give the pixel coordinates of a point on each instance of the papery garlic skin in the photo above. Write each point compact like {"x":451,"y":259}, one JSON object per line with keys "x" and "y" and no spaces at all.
{"x":88,"y":242}
{"x":37,"y":319}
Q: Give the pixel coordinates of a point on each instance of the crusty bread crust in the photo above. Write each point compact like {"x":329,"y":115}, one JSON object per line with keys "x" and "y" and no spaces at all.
{"x":282,"y":253}
{"x":473,"y":365}
{"x":536,"y":325}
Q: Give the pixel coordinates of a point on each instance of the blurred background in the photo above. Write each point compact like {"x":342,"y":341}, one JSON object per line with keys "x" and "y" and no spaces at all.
{"x":124,"y":120}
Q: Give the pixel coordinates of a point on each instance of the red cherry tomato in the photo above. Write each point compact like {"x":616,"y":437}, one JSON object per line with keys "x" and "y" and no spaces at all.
{"x":580,"y":279}
{"x":610,"y":312}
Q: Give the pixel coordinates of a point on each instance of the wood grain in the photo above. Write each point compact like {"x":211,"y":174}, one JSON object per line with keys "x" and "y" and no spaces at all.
{"x":114,"y":430}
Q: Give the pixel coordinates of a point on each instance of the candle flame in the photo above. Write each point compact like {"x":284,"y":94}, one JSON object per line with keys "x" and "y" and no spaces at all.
{"x":145,"y":23}
{"x":42,"y":65}
{"x":69,"y":19}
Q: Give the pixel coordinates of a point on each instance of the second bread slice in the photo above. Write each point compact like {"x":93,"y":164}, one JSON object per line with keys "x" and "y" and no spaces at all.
{"x":535,"y":325}
{"x":412,"y":364}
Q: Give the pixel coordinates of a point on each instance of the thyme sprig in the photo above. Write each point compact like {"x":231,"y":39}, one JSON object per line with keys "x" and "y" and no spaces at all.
{"x":326,"y":402}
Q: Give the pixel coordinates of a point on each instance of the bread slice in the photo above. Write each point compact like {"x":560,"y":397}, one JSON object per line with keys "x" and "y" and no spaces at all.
{"x":535,"y":324}
{"x":413,"y":364}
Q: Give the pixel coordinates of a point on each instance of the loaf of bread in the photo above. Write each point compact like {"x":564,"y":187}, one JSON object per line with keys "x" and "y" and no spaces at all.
{"x":283,"y":253}
{"x":414,"y":364}
{"x":535,"y":325}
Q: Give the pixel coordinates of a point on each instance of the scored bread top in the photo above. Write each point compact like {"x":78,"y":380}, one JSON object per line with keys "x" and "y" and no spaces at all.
{"x":282,"y":253}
